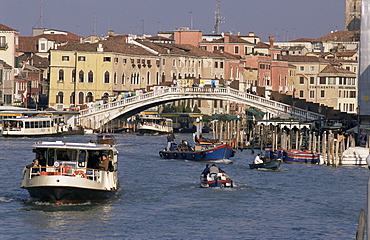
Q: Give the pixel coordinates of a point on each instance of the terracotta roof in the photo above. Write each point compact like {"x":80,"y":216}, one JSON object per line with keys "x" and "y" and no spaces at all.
{"x":6,"y":28}
{"x":227,"y":55}
{"x":152,"y":38}
{"x":296,"y":48}
{"x":39,"y":62}
{"x":346,"y":53}
{"x":299,"y":58}
{"x":60,"y":38}
{"x":341,"y":36}
{"x":336,"y":70}
{"x":302,"y":40}
{"x":28,"y":44}
{"x":262,"y":45}
{"x":232,"y":39}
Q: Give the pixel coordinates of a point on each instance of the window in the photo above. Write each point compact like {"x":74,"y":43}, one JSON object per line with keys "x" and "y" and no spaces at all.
{"x":65,"y":58}
{"x":123,"y":78}
{"x":115,"y":79}
{"x":61,"y":75}
{"x":179,"y":63}
{"x":214,"y":48}
{"x":81,"y":58}
{"x":312,"y":68}
{"x":174,"y":63}
{"x":312,"y":94}
{"x":236,"y":49}
{"x":322,"y":93}
{"x":331,"y":81}
{"x":163,"y":61}
{"x":203,"y":47}
{"x":90,"y":77}
{"x":124,"y":61}
{"x":301,"y":93}
{"x":81,"y":76}
{"x":301,"y":68}
{"x":80,"y":98}
{"x":221,"y":64}
{"x":312,"y":80}
{"x":73,"y":75}
{"x":3,"y":42}
{"x":323,"y":80}
{"x":116,"y":60}
{"x":59,"y":97}
{"x":106,"y":59}
{"x":106,"y":77}
{"x":222,"y":48}
{"x":352,"y":94}
{"x":301,"y":80}
{"x":42,"y":47}
{"x":216,"y":64}
{"x":89,"y":97}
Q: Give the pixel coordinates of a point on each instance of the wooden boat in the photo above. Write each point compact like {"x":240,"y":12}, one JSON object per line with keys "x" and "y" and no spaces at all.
{"x":72,"y":173}
{"x":300,"y":156}
{"x":273,"y":164}
{"x":198,"y":153}
{"x":105,"y":138}
{"x":220,"y":179}
{"x":34,"y":126}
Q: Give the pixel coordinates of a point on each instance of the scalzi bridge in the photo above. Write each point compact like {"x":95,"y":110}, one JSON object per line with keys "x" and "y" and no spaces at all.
{"x":95,"y":117}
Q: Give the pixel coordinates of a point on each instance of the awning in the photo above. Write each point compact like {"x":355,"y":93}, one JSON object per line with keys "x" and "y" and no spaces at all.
{"x":255,"y":112}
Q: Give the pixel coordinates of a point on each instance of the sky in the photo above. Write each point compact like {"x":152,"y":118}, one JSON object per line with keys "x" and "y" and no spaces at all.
{"x":284,"y":19}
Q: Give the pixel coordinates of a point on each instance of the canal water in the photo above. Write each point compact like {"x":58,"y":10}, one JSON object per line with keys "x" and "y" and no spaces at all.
{"x":161,"y":199}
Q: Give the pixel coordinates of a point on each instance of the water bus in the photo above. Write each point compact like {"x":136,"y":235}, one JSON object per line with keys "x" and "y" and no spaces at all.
{"x":72,"y":173}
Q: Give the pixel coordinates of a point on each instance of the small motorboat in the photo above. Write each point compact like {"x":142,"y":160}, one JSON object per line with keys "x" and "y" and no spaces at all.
{"x":220,"y":179}
{"x":105,"y":138}
{"x":273,"y":164}
{"x":208,"y":152}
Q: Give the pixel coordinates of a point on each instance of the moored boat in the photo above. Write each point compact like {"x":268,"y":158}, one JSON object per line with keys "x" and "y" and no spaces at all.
{"x":208,"y":152}
{"x":72,"y":173}
{"x":300,"y":156}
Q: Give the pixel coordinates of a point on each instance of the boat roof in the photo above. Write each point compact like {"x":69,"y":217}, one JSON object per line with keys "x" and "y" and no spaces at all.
{"x":70,"y":145}
{"x":32,"y":118}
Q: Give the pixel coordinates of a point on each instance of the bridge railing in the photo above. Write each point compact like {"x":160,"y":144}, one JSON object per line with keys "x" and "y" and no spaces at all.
{"x":257,"y":100}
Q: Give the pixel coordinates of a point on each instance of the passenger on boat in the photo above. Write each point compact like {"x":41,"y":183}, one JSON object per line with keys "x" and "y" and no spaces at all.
{"x":36,"y":166}
{"x":258,"y":160}
{"x":104,"y":163}
{"x":214,"y":169}
{"x":64,"y":156}
{"x":170,"y":138}
{"x":206,"y":170}
{"x":263,"y":158}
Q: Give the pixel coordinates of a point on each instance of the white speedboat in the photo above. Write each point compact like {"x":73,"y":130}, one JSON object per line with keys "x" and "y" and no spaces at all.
{"x":72,"y":173}
{"x":154,"y":125}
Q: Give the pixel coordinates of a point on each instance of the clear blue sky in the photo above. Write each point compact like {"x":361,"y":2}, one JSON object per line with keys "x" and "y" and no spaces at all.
{"x":286,"y":19}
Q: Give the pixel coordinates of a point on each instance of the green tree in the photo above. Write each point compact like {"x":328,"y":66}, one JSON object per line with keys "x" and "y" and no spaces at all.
{"x":196,"y":109}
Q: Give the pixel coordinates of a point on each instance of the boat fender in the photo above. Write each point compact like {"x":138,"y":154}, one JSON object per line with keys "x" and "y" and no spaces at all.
{"x":193,"y":155}
{"x":166,"y":155}
{"x":203,"y":155}
{"x":183,"y":155}
{"x":175,"y":155}
{"x":161,"y":154}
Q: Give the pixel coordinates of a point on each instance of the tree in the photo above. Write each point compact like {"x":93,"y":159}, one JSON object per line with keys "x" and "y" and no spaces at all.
{"x":196,"y":109}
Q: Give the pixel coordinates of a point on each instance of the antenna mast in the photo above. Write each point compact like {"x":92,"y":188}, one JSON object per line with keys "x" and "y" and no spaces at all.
{"x":41,"y":14}
{"x":219,"y":19}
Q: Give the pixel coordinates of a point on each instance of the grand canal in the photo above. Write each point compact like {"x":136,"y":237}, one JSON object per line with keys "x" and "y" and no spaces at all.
{"x":161,"y":199}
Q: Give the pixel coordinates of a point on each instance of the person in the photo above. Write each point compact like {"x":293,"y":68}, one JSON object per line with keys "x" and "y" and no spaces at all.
{"x":64,"y":156}
{"x":36,"y":167}
{"x":206,"y":170}
{"x":169,"y":141}
{"x":214,"y":169}
{"x":263,"y":158}
{"x":258,"y":160}
{"x":104,"y":162}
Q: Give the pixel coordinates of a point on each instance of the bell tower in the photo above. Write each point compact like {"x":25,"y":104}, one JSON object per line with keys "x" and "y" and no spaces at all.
{"x":353,"y":15}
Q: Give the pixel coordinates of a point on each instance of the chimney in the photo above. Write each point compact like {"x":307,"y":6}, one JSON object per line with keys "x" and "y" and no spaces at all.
{"x":271,"y":41}
{"x":110,"y":33}
{"x":227,"y":38}
{"x":251,"y":34}
{"x":100,"y":48}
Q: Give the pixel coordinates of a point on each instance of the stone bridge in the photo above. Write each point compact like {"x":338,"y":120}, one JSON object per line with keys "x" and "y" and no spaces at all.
{"x":95,"y":117}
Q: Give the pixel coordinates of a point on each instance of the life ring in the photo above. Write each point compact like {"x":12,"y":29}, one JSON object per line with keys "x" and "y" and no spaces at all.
{"x":203,"y":155}
{"x":79,"y":173}
{"x":193,"y":155}
{"x":183,"y":155}
{"x":175,"y":155}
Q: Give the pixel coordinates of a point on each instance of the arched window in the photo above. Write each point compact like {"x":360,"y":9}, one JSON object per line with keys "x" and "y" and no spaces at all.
{"x":157,"y":78}
{"x":72,"y":98}
{"x":80,"y":98}
{"x":163,"y":77}
{"x":89,"y":97}
{"x":123,"y":78}
{"x":148,"y":78}
{"x":59,"y":97}
{"x":61,"y":75}
{"x":106,"y":77}
{"x":81,"y":76}
{"x":115,"y":78}
{"x":90,"y":77}
{"x":73,"y":77}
